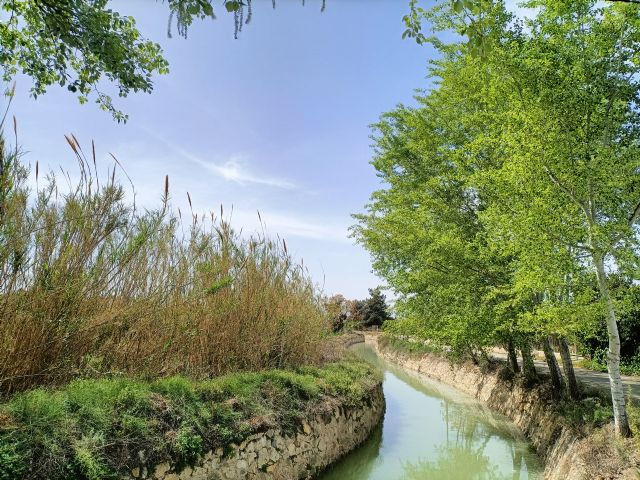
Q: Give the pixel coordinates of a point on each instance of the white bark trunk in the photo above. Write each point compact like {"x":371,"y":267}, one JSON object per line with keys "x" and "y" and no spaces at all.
{"x":613,"y":357}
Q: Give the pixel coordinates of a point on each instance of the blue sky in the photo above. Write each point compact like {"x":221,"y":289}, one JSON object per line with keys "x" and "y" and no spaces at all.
{"x":275,"y":121}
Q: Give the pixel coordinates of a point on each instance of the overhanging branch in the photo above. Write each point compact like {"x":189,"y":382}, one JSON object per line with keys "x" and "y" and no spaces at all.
{"x":636,"y":211}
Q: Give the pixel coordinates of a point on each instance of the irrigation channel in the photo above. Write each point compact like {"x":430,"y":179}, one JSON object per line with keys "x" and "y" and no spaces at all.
{"x":432,"y":431}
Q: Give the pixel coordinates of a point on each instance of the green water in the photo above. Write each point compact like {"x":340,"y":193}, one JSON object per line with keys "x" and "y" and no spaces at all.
{"x":430,"y":431}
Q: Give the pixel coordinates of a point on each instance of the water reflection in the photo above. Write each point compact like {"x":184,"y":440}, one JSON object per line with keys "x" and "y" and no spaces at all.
{"x":431,"y":431}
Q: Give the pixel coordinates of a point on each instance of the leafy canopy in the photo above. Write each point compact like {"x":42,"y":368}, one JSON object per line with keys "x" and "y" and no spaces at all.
{"x":476,"y":227}
{"x":77,"y":44}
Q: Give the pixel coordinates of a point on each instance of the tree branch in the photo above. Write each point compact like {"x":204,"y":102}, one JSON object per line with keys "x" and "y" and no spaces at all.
{"x":568,"y":192}
{"x":636,"y":211}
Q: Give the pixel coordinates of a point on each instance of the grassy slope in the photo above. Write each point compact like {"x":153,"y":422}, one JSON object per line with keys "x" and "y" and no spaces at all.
{"x":94,"y":429}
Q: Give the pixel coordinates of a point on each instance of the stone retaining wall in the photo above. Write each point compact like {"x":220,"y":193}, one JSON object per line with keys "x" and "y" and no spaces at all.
{"x":322,"y":439}
{"x":567,"y":456}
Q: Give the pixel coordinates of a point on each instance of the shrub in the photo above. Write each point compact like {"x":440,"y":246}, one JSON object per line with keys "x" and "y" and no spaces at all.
{"x":592,"y":411}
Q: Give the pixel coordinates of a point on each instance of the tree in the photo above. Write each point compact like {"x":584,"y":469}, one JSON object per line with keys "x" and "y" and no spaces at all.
{"x":336,"y":308}
{"x":80,"y":43}
{"x":354,"y":313}
{"x":514,"y":180}
{"x":565,"y":185}
{"x":77,"y":44}
{"x":375,"y":311}
{"x":594,"y":342}
{"x":423,"y":228}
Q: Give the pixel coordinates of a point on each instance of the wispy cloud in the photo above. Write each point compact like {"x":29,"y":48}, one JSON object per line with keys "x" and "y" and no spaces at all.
{"x":291,"y":225}
{"x":236,"y":169}
{"x":287,"y":224}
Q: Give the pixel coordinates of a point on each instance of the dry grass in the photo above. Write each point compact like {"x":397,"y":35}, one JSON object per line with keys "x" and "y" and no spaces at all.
{"x":90,"y":286}
{"x":609,"y":455}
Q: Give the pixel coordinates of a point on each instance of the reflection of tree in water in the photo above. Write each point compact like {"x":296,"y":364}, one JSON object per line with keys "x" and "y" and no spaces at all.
{"x":468,"y":426}
{"x":473,"y":435}
{"x":453,"y":463}
{"x":469,"y":431}
{"x":359,"y":464}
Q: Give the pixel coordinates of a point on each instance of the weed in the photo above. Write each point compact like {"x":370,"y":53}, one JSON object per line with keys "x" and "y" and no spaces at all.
{"x":12,"y":463}
{"x":407,"y":346}
{"x":590,"y":412}
{"x":188,"y":445}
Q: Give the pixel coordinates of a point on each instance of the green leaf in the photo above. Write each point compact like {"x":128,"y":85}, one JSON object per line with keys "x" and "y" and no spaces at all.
{"x":207,"y":8}
{"x":232,"y":5}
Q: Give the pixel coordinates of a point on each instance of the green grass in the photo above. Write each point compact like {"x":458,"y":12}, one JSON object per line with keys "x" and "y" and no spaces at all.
{"x":593,"y":410}
{"x":627,"y":368}
{"x":411,"y":348}
{"x":94,"y":429}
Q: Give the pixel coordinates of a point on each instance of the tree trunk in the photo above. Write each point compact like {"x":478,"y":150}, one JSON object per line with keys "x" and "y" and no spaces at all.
{"x":613,"y":357}
{"x":567,"y":365}
{"x":512,"y":357}
{"x":554,"y":368}
{"x":528,"y":367}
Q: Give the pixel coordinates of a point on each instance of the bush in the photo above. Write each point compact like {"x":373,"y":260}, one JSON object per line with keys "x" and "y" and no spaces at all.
{"x":630,"y":366}
{"x":592,"y":411}
{"x":410,"y":347}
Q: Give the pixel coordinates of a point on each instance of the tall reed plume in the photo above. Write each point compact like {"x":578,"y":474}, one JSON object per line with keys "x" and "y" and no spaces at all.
{"x":90,"y":285}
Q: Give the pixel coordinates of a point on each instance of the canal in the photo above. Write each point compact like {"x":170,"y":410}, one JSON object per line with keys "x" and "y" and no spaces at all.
{"x":431,"y":431}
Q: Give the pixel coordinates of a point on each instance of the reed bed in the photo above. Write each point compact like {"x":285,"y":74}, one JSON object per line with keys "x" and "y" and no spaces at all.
{"x":91,"y":286}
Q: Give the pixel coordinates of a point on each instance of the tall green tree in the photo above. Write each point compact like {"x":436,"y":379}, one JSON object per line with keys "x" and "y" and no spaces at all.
{"x":422,"y":228}
{"x":515,"y":178}
{"x":375,"y":311}
{"x":566,"y":186}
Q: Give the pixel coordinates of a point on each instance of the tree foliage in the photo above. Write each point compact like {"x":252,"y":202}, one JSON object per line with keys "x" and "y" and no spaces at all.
{"x":374,"y":311}
{"x":512,"y":189}
{"x":78,"y":44}
{"x":86,"y":46}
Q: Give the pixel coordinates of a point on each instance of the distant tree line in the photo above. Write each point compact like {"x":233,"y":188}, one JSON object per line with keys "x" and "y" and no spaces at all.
{"x":346,"y":314}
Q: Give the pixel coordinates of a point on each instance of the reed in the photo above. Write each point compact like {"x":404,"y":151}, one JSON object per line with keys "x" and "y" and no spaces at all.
{"x":92,"y":286}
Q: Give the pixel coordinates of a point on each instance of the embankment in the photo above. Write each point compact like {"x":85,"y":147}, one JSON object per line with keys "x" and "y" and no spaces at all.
{"x":275,"y":424}
{"x":569,"y":452}
{"x":323,"y":438}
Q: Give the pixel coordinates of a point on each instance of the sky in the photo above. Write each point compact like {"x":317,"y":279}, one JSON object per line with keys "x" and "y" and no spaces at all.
{"x":276,"y":121}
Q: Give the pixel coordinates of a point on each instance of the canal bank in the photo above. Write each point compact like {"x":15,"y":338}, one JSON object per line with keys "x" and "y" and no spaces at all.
{"x":272,"y":424}
{"x":569,"y":453}
{"x":323,"y":438}
{"x":432,"y":431}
